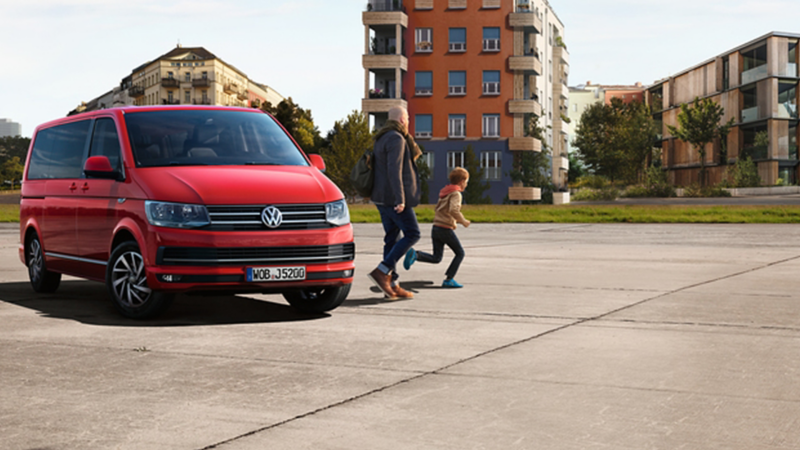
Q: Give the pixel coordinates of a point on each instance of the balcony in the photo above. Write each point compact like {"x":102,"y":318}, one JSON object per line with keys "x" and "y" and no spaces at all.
{"x":755,"y":152}
{"x":561,"y":163}
{"x":524,"y":144}
{"x":381,"y":105}
{"x":170,"y":83}
{"x":384,"y":12}
{"x":749,"y":114}
{"x":530,"y":64}
{"x":243,"y":94}
{"x":201,"y":101}
{"x":136,"y":91}
{"x":561,"y":53}
{"x":384,"y":62}
{"x":231,"y":88}
{"x":170,"y":101}
{"x":525,"y":19}
{"x":201,"y":82}
{"x":524,"y":193}
{"x":524,"y":107}
{"x":754,"y":74}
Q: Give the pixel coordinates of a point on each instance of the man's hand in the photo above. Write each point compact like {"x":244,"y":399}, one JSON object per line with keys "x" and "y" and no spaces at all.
{"x":399,"y":208}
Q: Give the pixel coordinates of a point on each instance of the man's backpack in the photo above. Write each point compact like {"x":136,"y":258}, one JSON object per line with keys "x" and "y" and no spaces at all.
{"x":363,"y":176}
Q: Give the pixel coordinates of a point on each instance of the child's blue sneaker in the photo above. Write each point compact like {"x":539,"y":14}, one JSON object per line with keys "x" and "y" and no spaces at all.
{"x":411,"y":258}
{"x":451,"y":283}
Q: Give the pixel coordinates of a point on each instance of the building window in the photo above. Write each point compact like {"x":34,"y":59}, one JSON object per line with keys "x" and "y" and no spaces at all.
{"x":491,"y":39}
{"x":457,"y":80}
{"x":170,"y":75}
{"x":188,"y":76}
{"x":458,"y":40}
{"x":491,"y":163}
{"x":457,"y":126}
{"x":787,"y":99}
{"x":424,"y":40}
{"x":187,"y":97}
{"x":491,"y":125}
{"x":491,"y":82}
{"x":423,"y":126}
{"x":205,"y":75}
{"x":428,"y":159}
{"x":454,"y":159}
{"x":423,"y":83}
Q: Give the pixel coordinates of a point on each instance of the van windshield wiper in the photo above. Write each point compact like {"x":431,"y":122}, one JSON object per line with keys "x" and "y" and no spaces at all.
{"x":260,"y":163}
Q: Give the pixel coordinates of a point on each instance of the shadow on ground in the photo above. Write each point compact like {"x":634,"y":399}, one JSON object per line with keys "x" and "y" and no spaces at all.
{"x":88,"y":302}
{"x":413,"y":286}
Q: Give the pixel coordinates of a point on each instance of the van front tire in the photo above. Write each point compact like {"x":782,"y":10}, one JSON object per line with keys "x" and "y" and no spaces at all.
{"x":317,"y":300}
{"x":126,"y":281}
{"x":42,"y":280}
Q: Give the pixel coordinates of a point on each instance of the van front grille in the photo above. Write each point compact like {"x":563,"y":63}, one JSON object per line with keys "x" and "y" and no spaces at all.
{"x":192,"y":256}
{"x":248,"y":218}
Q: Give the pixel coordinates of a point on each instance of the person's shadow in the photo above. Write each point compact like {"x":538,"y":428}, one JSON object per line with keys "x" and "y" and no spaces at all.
{"x":412,"y":286}
{"x":87,"y":302}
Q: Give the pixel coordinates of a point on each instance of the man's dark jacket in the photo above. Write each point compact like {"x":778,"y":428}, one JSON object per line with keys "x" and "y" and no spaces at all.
{"x":396,"y":176}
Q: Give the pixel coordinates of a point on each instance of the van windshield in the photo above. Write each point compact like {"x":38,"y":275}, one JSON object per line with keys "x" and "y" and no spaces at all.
{"x":209,"y":137}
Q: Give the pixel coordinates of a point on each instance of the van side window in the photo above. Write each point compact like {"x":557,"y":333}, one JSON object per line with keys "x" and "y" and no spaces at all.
{"x":105,"y":142}
{"x":58,"y":151}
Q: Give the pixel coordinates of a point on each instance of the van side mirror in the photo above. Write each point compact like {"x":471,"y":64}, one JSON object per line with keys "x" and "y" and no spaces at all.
{"x":100,"y":167}
{"x":317,"y":162}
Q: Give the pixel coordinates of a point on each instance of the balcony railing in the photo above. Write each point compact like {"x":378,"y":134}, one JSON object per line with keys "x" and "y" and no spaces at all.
{"x":170,"y":82}
{"x":385,"y":5}
{"x":202,"y":101}
{"x":423,"y":91}
{"x":754,"y":74}
{"x":231,"y":88}
{"x":201,"y":82}
{"x":750,"y":114}
{"x":136,"y":91}
{"x":168,"y":101}
{"x":491,"y":45}
{"x":492,"y":88}
{"x":243,"y":94}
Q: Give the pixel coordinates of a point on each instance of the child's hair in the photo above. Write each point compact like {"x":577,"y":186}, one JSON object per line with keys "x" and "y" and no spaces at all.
{"x":458,"y":175}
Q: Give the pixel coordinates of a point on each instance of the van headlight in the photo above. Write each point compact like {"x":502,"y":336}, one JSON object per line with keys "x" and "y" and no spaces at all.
{"x":176,"y":215}
{"x":336,"y":213}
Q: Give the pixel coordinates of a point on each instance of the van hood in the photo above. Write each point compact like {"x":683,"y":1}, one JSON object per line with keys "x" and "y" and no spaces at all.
{"x":237,"y":185}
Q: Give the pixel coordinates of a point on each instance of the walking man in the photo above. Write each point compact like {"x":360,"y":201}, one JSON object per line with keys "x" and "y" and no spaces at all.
{"x":395,"y":193}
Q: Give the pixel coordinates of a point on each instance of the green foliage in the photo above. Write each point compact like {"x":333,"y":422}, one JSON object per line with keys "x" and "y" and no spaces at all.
{"x":532,"y":169}
{"x":14,"y":146}
{"x":592,"y":182}
{"x":298,"y":122}
{"x":473,"y":194}
{"x":576,"y":168}
{"x":761,"y":139}
{"x":348,"y":140}
{"x":616,"y":140}
{"x":655,"y":185}
{"x":424,"y":179}
{"x":11,"y":170}
{"x":744,"y":174}
{"x":699,"y":125}
{"x":608,"y":193}
{"x":695,"y":190}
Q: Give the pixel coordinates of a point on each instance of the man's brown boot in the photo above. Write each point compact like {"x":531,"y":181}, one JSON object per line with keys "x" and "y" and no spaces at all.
{"x":402,"y":293}
{"x":383,"y":281}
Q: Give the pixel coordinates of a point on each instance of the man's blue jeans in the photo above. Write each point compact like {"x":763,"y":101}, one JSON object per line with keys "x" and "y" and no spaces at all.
{"x":393,"y":225}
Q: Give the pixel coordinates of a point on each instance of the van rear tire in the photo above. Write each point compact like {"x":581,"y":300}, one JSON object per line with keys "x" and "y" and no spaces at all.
{"x":126,"y":280}
{"x":317,"y":300}
{"x":42,"y":280}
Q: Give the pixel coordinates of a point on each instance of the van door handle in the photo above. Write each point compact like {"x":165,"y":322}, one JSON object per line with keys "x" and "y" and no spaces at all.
{"x":73,"y":187}
{"x":85,"y":187}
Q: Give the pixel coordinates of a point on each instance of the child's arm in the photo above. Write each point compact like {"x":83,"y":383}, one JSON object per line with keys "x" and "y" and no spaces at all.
{"x":455,"y":210}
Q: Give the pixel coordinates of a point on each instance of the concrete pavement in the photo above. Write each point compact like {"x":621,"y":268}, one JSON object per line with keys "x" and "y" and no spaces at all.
{"x":566,"y":336}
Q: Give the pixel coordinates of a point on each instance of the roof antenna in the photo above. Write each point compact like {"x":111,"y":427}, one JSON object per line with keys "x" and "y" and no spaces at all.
{"x":179,"y":43}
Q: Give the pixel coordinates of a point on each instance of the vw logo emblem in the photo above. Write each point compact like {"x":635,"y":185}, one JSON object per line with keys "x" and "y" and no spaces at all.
{"x":272,"y":217}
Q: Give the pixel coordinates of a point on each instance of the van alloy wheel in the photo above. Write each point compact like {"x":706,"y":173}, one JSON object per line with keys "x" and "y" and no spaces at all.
{"x":129,"y":280}
{"x":42,"y":280}
{"x":35,"y":261}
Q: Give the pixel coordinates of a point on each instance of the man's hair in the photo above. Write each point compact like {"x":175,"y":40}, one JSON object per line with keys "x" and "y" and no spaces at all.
{"x":458,"y":175}
{"x":396,"y":113}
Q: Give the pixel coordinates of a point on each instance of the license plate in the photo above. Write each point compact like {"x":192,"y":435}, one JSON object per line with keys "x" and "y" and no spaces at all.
{"x":261,"y":274}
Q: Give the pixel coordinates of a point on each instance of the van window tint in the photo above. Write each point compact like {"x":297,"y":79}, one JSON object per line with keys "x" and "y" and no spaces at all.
{"x":58,"y":151}
{"x":105,"y":141}
{"x":209,"y":137}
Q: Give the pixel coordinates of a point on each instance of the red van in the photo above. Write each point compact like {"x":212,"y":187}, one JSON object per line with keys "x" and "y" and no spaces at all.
{"x":156,"y":201}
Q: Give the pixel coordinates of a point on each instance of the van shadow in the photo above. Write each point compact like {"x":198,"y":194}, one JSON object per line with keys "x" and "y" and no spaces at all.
{"x":87,"y":302}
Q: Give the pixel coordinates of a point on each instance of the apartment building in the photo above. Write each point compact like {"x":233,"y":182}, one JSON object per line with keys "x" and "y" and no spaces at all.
{"x":757,"y":85}
{"x":471,"y":73}
{"x":188,"y":76}
{"x":9,"y":128}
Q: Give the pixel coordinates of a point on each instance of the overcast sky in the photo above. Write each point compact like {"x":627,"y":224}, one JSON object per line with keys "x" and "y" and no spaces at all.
{"x":57,"y":53}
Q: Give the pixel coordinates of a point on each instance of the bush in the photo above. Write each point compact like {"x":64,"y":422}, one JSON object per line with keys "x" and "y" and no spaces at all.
{"x":694,"y":190}
{"x":592,"y":182}
{"x":595,"y":195}
{"x":744,"y":174}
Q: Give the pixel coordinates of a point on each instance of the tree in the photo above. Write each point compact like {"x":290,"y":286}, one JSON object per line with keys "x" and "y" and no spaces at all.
{"x":699,"y":124}
{"x":11,"y":170}
{"x":14,"y":146}
{"x":348,"y":140}
{"x":473,"y":194}
{"x":616,"y":140}
{"x":424,"y":175}
{"x":298,"y":122}
{"x":532,"y":169}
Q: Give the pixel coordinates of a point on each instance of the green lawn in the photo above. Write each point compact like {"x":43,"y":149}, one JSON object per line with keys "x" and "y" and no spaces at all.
{"x":574,"y":214}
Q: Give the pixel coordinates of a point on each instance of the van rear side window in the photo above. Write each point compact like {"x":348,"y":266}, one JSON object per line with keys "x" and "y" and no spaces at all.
{"x":58,"y":151}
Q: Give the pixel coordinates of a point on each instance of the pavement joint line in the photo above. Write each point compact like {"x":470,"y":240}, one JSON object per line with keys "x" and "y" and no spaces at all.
{"x":697,"y":324}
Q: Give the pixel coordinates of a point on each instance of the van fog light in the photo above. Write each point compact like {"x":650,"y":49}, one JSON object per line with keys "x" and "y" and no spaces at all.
{"x":169,"y":278}
{"x":348,"y":273}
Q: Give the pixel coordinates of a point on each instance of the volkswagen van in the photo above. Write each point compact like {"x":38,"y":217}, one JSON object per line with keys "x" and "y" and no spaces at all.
{"x":157,"y":201}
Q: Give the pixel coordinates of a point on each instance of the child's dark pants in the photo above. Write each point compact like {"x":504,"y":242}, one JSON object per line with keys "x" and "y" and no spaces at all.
{"x":442,"y":236}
